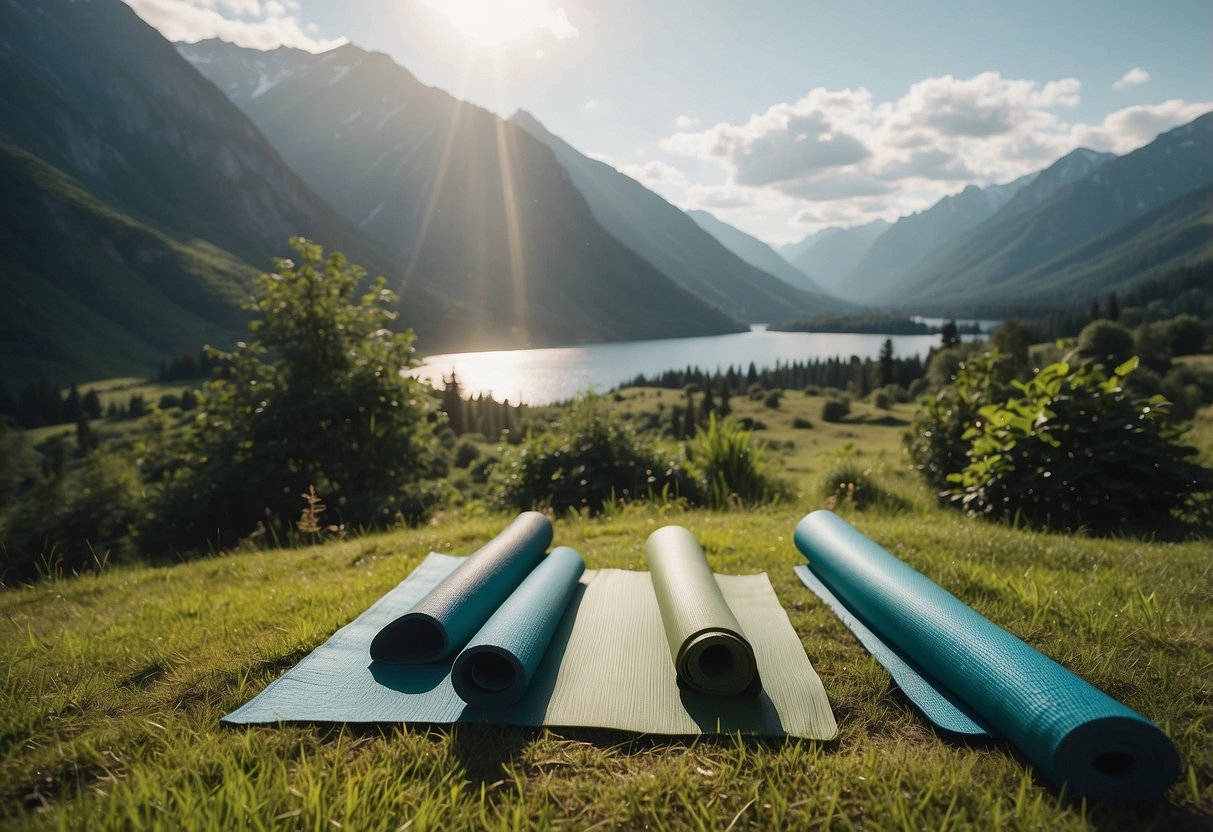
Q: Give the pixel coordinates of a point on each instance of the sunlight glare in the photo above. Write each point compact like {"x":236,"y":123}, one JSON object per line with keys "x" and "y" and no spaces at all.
{"x":495,"y":23}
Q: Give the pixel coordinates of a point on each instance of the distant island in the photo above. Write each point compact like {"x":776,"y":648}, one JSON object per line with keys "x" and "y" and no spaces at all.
{"x":866,"y":324}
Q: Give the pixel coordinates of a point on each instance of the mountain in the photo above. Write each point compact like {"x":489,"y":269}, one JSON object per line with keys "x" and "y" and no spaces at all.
{"x":831,"y":253}
{"x":137,"y":199}
{"x":902,"y":247}
{"x":754,"y":251}
{"x":672,"y":241}
{"x":1069,"y":168}
{"x":1107,"y":210}
{"x":244,"y":74}
{"x":478,"y":211}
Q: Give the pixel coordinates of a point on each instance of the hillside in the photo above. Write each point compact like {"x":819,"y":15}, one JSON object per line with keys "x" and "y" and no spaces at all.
{"x":94,"y":293}
{"x":478,"y":213}
{"x":754,"y":251}
{"x":833,"y":252}
{"x":903,"y":246}
{"x":989,"y":260}
{"x":147,"y":198}
{"x":674,"y":242}
{"x":117,"y":681}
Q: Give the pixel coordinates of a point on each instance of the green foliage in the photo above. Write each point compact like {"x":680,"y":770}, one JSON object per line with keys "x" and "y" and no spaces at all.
{"x":772,"y":399}
{"x":1073,"y":450}
{"x":734,"y":468}
{"x":587,"y":460}
{"x":18,"y":462}
{"x":315,"y":398}
{"x":853,"y":486}
{"x":835,"y":410}
{"x":75,"y":522}
{"x":936,"y":442}
{"x":1106,"y":342}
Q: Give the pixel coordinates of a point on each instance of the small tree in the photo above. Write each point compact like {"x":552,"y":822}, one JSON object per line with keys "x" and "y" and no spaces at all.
{"x":316,"y":396}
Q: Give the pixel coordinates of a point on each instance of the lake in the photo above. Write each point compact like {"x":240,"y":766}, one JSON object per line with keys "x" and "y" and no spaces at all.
{"x":544,"y":376}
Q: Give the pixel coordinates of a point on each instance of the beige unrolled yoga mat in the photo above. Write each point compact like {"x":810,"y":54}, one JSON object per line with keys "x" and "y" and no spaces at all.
{"x":608,"y":665}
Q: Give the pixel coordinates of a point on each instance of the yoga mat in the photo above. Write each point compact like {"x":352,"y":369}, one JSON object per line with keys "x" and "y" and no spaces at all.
{"x":493,"y":671}
{"x":1073,"y":732}
{"x":709,"y":649}
{"x":443,"y":621}
{"x":607,"y":666}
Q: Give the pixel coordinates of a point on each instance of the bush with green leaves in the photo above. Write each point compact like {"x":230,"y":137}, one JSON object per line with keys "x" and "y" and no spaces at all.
{"x":586,"y":460}
{"x":734,"y":468}
{"x":75,"y":522}
{"x":835,"y":410}
{"x":314,"y":398}
{"x":1075,"y":450}
{"x":936,"y":442}
{"x":851,"y":485}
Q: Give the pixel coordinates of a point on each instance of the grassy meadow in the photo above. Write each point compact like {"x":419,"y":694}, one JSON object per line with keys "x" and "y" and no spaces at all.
{"x":113,"y":683}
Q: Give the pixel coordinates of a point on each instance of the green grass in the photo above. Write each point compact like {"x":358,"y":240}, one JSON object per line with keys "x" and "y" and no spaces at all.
{"x":113,"y":684}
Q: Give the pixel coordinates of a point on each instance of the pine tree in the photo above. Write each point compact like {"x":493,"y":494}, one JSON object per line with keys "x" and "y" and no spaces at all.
{"x":886,"y":372}
{"x":453,"y":405}
{"x":86,"y":437}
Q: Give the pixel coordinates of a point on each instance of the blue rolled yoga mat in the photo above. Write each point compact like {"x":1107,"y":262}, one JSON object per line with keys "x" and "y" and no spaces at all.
{"x":500,"y":661}
{"x":442,"y":622}
{"x":1073,"y":732}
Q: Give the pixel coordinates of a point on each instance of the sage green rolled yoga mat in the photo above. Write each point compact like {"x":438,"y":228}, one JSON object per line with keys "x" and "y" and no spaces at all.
{"x":442,"y":622}
{"x":710,"y":651}
{"x":500,"y":661}
{"x":1073,"y":732}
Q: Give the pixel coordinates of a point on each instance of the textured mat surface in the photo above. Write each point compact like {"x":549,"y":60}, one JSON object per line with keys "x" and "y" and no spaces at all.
{"x":607,"y":665}
{"x":707,"y":644}
{"x":443,"y":621}
{"x":1072,"y":731}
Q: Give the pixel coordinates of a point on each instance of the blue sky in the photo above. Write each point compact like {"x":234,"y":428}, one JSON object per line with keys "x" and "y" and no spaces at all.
{"x":781,"y":117}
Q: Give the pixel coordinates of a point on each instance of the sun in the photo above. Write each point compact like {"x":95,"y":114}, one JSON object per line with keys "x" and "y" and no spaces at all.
{"x":497,"y":23}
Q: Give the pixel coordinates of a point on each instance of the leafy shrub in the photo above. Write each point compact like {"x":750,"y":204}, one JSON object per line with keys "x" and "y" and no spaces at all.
{"x":733,"y":467}
{"x":812,"y":390}
{"x":465,"y":454}
{"x":835,"y":410}
{"x":772,"y":399}
{"x":1076,"y":450}
{"x":882,"y":400}
{"x":852,"y":486}
{"x":586,"y":460}
{"x":801,"y":423}
{"x":1106,"y":342}
{"x":76,"y":522}
{"x":937,"y":442}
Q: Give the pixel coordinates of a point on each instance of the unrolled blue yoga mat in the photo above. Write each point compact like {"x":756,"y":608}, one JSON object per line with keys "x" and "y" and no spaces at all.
{"x":1073,"y":732}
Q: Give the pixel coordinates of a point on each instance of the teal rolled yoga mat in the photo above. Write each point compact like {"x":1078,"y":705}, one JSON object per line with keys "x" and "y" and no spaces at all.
{"x":500,"y":661}
{"x":1073,"y":732}
{"x":442,"y":622}
{"x":711,"y":653}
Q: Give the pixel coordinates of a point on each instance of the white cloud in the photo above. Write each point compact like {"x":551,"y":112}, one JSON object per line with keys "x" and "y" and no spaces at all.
{"x":685,"y":122}
{"x":1130,"y":128}
{"x":246,"y":23}
{"x":1132,"y":78}
{"x":870,"y":159}
{"x":655,"y":173}
{"x":591,"y":105}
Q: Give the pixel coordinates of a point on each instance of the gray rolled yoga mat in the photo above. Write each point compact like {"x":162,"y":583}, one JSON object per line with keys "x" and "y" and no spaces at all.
{"x":1073,"y":732}
{"x":709,"y":649}
{"x":500,"y":661}
{"x":442,"y":622}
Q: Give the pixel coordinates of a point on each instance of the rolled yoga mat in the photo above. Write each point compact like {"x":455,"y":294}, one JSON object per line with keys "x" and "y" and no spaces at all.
{"x":445,"y":620}
{"x":1073,"y":732}
{"x":710,"y":651}
{"x":500,"y":661}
